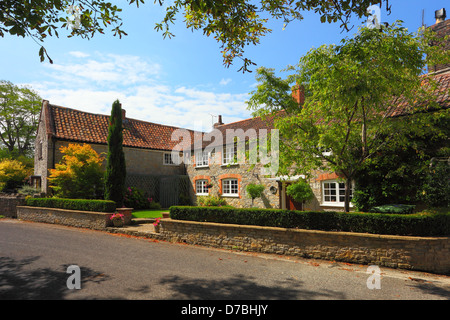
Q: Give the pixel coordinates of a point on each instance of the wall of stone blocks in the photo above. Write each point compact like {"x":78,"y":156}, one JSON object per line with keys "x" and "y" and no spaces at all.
{"x":79,"y":219}
{"x":8,"y":204}
{"x":429,"y":254}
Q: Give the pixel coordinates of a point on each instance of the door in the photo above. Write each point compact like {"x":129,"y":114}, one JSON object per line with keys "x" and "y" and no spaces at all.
{"x":286,"y":202}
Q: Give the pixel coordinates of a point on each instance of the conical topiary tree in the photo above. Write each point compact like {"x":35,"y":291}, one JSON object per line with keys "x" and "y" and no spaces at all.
{"x":115,"y":167}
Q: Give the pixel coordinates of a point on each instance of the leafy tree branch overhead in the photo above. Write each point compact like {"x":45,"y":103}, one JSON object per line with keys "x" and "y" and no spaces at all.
{"x":235,"y":24}
{"x":362,"y":97}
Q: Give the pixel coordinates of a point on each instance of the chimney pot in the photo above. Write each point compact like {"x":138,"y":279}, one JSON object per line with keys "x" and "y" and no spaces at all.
{"x":298,"y":93}
{"x":440,"y":15}
{"x":219,"y":122}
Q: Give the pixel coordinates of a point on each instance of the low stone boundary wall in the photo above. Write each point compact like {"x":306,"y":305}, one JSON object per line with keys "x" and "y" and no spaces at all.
{"x":430,"y":254}
{"x":74,"y":218}
{"x":8,"y":204}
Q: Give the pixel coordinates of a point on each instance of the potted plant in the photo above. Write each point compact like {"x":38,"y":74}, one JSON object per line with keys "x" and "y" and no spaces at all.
{"x":117,"y":219}
{"x":156,"y":224}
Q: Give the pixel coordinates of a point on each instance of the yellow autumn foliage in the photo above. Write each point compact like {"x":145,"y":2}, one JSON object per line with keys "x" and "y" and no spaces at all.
{"x":79,"y":174}
{"x":12,"y":174}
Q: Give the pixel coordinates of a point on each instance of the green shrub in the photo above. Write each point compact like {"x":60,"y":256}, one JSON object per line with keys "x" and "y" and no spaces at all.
{"x":419,"y":224}
{"x":135,"y":198}
{"x":394,"y":208}
{"x":12,"y":174}
{"x":300,"y":191}
{"x":254,"y":190}
{"x":211,"y":201}
{"x":72,"y":204}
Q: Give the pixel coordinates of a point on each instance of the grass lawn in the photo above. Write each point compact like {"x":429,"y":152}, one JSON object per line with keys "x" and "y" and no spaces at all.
{"x":149,"y":213}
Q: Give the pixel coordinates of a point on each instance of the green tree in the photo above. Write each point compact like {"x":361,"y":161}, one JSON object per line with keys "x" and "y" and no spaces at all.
{"x":19,"y":116}
{"x":115,"y":166}
{"x":351,"y":93}
{"x":235,"y":24}
{"x":300,"y":191}
{"x":254,"y":191}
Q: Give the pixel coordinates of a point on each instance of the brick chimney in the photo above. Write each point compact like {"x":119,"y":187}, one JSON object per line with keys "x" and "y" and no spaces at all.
{"x":219,"y":122}
{"x":124,"y":112}
{"x":442,"y":29}
{"x":298,"y":93}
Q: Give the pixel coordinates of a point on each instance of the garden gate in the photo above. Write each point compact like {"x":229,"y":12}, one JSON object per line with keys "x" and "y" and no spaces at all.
{"x":167,"y":190}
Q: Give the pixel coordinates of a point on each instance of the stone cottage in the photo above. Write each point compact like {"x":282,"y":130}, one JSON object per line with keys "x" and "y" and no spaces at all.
{"x":210,"y":165}
{"x":147,"y":146}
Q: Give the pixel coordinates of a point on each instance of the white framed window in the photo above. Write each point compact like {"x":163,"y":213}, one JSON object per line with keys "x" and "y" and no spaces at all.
{"x":201,"y":187}
{"x":333,"y":192}
{"x":229,"y":154}
{"x":230,"y":187}
{"x":201,"y":159}
{"x":169,"y":159}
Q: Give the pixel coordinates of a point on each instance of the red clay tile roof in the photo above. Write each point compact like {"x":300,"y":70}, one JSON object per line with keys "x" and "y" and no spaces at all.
{"x":441,"y":93}
{"x":78,"y":126}
{"x":255,"y":123}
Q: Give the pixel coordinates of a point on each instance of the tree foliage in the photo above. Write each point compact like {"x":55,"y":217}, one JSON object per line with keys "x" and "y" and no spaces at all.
{"x":12,"y":174}
{"x":115,"y":166}
{"x":300,"y":191}
{"x":235,"y":24}
{"x":352,"y":93}
{"x":19,"y":116}
{"x":79,"y":175}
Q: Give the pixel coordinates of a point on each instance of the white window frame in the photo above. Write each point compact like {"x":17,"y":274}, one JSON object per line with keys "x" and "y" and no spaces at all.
{"x":202,"y":183}
{"x":201,"y":159}
{"x":228,"y":186}
{"x":229,"y":152}
{"x":339,"y":193}
{"x":167,"y":160}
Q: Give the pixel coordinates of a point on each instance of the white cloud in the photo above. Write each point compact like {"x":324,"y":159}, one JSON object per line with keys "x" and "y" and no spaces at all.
{"x":224,"y":82}
{"x":93,"y":84}
{"x":79,"y":54}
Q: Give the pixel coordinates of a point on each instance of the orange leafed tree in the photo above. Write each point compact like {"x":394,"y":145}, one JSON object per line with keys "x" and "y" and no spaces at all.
{"x":79,"y":175}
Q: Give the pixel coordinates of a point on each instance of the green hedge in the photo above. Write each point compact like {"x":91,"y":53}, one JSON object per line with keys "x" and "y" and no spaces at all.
{"x":394,"y":208}
{"x":375,"y":223}
{"x":73,"y":204}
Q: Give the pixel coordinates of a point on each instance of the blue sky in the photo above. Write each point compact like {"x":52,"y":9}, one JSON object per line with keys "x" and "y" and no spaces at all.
{"x":180,"y":81}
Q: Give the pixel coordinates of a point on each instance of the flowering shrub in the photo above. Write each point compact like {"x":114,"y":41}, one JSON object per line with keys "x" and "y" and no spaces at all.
{"x":135,"y":198}
{"x":117,"y":216}
{"x":211,"y":201}
{"x":157,"y":221}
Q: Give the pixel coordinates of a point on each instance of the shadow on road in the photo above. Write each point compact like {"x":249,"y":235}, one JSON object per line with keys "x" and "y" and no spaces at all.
{"x":20,"y":280}
{"x":242,"y":288}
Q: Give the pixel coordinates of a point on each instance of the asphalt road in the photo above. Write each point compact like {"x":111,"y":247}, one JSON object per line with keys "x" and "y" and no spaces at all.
{"x":34,"y":261}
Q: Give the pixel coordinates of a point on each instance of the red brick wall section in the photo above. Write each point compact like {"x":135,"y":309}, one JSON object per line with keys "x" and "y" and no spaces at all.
{"x":328,"y":176}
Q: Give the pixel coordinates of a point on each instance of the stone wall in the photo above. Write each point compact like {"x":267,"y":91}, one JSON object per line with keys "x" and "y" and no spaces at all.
{"x":244,"y":173}
{"x":430,"y":254}
{"x":79,"y":219}
{"x":8,"y":204}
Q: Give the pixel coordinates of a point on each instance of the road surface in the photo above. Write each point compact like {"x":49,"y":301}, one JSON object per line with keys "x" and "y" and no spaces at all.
{"x":36,"y":260}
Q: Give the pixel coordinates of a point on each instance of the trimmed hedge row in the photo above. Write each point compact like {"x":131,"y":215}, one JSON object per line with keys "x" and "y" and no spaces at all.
{"x":375,"y":223}
{"x":72,"y":204}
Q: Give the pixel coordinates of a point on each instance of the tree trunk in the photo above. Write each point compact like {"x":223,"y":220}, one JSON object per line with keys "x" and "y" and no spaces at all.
{"x":348,"y":184}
